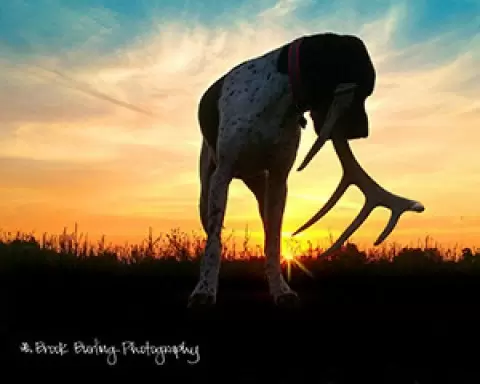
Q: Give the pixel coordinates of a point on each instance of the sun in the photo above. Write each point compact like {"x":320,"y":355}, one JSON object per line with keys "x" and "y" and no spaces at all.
{"x":289,"y":258}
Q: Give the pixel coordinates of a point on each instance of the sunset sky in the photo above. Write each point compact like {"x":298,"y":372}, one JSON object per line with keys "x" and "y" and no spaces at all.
{"x":98,"y":112}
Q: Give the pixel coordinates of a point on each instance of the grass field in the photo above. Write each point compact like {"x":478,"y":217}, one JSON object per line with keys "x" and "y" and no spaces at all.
{"x":75,"y":248}
{"x":392,"y":314}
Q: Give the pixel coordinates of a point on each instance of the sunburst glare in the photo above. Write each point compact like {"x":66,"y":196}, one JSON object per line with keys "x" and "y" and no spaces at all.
{"x":289,"y":258}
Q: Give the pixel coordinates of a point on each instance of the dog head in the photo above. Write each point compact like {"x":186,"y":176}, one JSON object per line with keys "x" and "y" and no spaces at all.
{"x":333,"y":76}
{"x":327,"y":62}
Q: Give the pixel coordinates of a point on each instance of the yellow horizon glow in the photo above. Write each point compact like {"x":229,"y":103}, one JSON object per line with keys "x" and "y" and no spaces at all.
{"x":69,"y":156}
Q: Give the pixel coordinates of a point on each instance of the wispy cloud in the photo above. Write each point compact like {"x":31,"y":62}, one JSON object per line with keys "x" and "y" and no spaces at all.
{"x":68,"y":82}
{"x":118,"y":115}
{"x":281,"y":8}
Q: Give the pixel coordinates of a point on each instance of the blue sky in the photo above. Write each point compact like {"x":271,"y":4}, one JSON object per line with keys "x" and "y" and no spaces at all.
{"x":50,"y":21}
{"x":98,"y":114}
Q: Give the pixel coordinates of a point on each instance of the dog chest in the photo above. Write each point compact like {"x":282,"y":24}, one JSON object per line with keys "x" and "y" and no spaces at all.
{"x":255,"y":106}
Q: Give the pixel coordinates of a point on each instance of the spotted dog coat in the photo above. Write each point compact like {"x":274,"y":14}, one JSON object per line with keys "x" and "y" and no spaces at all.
{"x":257,"y":142}
{"x":251,"y":131}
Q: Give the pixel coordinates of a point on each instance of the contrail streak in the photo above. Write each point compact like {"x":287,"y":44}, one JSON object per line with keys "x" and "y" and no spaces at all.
{"x":74,"y":84}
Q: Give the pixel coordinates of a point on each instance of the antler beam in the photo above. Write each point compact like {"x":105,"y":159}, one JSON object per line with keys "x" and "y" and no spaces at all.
{"x":375,"y":196}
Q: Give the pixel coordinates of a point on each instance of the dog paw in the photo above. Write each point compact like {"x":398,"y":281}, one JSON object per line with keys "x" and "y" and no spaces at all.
{"x":201,"y":300}
{"x":288,"y":300}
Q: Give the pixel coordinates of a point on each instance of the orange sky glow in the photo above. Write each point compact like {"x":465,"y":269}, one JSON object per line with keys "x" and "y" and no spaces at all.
{"x":70,"y":153}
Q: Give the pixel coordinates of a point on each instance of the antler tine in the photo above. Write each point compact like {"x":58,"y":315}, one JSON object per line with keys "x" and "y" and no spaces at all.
{"x":343,"y":98}
{"x":375,"y":195}
{"x":341,"y":188}
{"x":361,"y":217}
{"x":317,"y":145}
{"x":397,"y":211}
{"x":394,"y":217}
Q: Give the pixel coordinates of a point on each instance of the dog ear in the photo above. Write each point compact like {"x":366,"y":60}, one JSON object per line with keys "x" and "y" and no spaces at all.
{"x":320,"y":64}
{"x":327,"y":60}
{"x":357,"y":65}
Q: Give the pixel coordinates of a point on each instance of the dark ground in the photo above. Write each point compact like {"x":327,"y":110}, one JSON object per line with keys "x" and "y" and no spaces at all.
{"x":383,"y":329}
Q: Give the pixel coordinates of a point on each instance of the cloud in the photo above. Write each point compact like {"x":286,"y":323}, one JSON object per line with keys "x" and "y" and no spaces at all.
{"x":68,"y":82}
{"x":281,"y":8}
{"x":114,"y":115}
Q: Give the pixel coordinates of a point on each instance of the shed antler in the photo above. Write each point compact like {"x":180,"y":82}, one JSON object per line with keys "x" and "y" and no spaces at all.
{"x":375,"y":196}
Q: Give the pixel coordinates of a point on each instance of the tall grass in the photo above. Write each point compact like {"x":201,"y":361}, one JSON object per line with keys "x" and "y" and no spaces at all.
{"x":183,"y":247}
